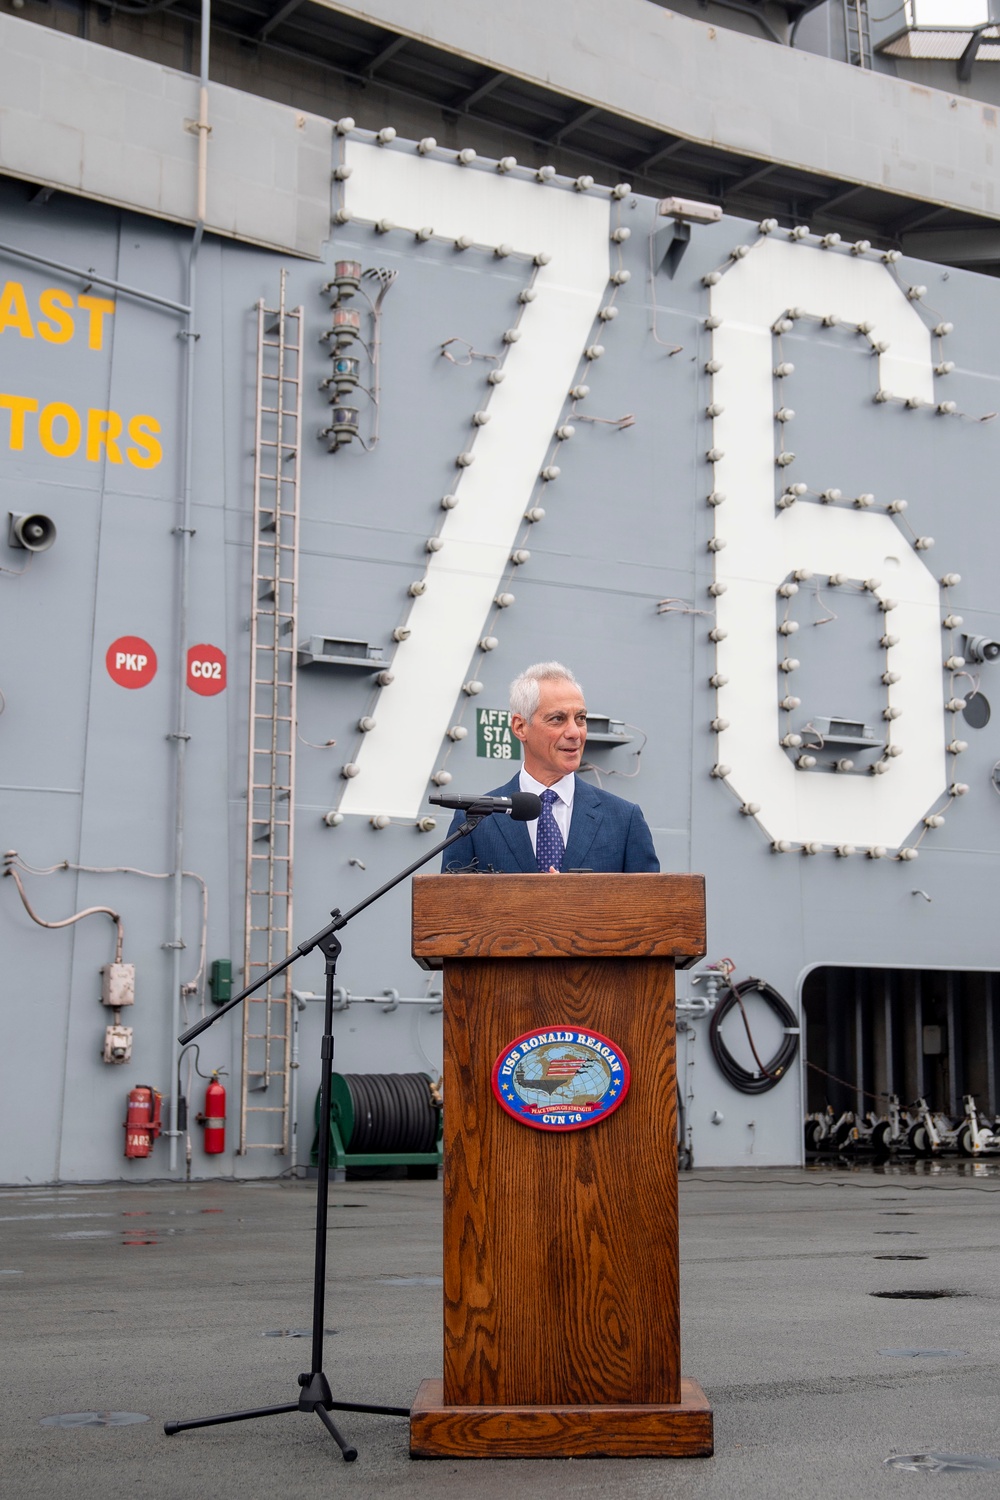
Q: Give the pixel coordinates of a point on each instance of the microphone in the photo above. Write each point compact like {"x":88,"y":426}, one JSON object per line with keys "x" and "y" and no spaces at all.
{"x":523,"y":807}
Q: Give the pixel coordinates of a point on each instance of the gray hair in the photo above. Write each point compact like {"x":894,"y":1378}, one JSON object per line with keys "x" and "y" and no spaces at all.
{"x":525,"y":692}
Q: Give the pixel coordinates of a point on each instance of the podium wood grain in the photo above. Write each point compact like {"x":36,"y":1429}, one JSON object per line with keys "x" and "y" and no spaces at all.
{"x":681,"y":1431}
{"x":548,"y":1235}
{"x":561,"y":1317}
{"x":552,"y":916}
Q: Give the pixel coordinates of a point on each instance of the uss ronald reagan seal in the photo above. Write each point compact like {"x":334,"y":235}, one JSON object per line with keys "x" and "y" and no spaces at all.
{"x":560,"y":1078}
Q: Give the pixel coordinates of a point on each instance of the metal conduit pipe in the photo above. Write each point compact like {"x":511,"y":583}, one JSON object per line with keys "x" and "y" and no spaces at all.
{"x":92,"y":277}
{"x":183,"y":532}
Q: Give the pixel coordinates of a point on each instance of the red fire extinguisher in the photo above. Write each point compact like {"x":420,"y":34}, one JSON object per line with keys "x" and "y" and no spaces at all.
{"x":142,"y":1123}
{"x":214,"y":1117}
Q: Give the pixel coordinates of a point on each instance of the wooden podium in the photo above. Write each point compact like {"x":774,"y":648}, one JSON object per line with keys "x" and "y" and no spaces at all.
{"x":561,"y":1308}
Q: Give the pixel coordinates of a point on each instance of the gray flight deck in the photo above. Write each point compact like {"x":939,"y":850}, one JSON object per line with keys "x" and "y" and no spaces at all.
{"x":155,"y":1300}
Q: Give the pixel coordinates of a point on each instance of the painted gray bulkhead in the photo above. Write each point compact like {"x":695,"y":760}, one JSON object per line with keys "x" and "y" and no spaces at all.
{"x":87,"y":766}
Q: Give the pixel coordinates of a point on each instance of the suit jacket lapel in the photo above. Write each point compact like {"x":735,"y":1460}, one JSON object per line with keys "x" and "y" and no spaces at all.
{"x":515,"y":835}
{"x":587,"y":818}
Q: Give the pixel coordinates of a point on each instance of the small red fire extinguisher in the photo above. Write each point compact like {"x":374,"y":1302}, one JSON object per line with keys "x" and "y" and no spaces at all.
{"x":142,"y":1123}
{"x":214,"y":1117}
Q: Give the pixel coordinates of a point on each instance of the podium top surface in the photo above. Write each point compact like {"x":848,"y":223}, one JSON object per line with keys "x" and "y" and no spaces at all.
{"x":558,"y":916}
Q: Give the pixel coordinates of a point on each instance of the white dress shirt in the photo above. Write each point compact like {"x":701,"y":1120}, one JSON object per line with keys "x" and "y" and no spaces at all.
{"x":562,"y":807}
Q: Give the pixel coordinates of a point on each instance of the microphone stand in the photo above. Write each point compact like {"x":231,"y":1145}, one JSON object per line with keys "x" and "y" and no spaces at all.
{"x":315,"y":1393}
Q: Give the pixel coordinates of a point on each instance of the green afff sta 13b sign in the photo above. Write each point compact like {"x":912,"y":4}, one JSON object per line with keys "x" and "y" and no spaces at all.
{"x":494,"y":738}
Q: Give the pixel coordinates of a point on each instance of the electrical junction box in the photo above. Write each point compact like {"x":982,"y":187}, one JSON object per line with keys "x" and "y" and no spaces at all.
{"x":932,"y":1041}
{"x":604,"y":730}
{"x":849,"y":733}
{"x":220,"y":980}
{"x":337,"y":651}
{"x":118,"y":985}
{"x":118,"y":1044}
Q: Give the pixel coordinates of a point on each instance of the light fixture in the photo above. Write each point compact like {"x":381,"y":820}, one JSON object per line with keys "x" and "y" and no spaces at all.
{"x":385,"y":136}
{"x":689,"y":210}
{"x":344,"y":374}
{"x":343,"y":426}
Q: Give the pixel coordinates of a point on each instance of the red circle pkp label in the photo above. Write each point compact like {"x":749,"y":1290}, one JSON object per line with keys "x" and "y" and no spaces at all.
{"x":206,"y":670}
{"x":131,"y":662}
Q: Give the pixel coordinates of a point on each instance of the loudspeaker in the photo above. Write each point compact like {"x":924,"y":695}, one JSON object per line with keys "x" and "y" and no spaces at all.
{"x":981,"y":648}
{"x":34,"y":532}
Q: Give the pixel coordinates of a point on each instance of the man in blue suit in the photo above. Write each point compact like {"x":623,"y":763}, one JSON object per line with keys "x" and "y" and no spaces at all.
{"x":580,"y":827}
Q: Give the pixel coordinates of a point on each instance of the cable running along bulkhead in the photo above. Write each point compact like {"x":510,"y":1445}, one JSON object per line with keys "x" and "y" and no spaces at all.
{"x":767,"y":1074}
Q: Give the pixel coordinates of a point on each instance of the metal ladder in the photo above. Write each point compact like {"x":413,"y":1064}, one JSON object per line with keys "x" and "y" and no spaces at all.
{"x":267,"y":1016}
{"x":857,"y":33}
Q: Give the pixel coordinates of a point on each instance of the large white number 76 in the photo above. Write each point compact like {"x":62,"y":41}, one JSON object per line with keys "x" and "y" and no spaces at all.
{"x":398,"y":756}
{"x":763,"y":546}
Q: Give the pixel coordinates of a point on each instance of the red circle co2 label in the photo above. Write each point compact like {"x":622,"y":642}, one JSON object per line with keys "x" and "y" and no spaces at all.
{"x":560,"y":1079}
{"x":206,"y":670}
{"x":131,"y":661}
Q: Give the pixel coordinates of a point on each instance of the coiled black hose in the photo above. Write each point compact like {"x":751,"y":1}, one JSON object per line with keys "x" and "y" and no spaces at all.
{"x":392,"y":1112}
{"x":769,"y":1073}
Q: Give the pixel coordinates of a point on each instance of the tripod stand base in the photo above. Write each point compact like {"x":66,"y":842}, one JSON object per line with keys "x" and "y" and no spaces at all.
{"x":316,"y":1396}
{"x":683,"y":1430}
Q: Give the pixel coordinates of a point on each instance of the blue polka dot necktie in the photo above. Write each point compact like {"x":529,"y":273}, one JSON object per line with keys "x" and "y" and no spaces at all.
{"x":549,"y":846}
